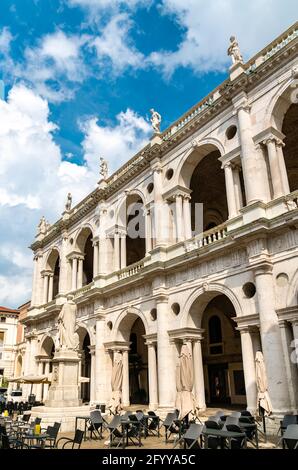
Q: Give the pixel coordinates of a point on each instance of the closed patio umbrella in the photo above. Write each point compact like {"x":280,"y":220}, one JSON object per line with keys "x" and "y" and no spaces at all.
{"x":185,"y":383}
{"x":116,"y":383}
{"x":263,"y":400}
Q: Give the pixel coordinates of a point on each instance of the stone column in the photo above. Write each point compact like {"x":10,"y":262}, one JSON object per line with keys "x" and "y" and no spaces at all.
{"x":152,"y":376}
{"x":187,"y":217}
{"x":95,"y":258}
{"x":282,"y":167}
{"x":46,"y":386}
{"x":248,"y":358}
{"x":92,"y":374}
{"x":291,"y":368}
{"x":230,"y":190}
{"x":199,"y":385}
{"x":102,"y":255}
{"x":274,"y":168}
{"x":271,"y":339}
{"x":253,"y":163}
{"x":160,"y":238}
{"x":237,"y":186}
{"x":101,"y":392}
{"x":39,"y":288}
{"x":125,"y":382}
{"x":74,"y":273}
{"x":45,"y":288}
{"x":123,"y":250}
{"x":165,"y":360}
{"x":179,"y":218}
{"x":148,"y":231}
{"x":64,"y":266}
{"x":80,"y":273}
{"x":294,"y":352}
{"x":34,"y":281}
{"x":116,"y":251}
{"x":51,"y":287}
{"x":39,"y":386}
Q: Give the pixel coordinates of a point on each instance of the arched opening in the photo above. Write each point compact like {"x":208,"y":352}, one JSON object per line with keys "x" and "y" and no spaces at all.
{"x":221,"y":350}
{"x":85,"y":364}
{"x":47,"y":353}
{"x":53,"y":265}
{"x":138,"y":365}
{"x":208,"y":188}
{"x":135,"y":229}
{"x":84,"y":245}
{"x":88,"y":261}
{"x":289,"y":128}
{"x":132,"y":329}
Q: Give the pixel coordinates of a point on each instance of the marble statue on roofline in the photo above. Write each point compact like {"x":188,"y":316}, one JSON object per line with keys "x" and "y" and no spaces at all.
{"x":68,"y":202}
{"x":103,"y":168}
{"x":42,"y":226}
{"x":155,"y":121}
{"x":234,"y":51}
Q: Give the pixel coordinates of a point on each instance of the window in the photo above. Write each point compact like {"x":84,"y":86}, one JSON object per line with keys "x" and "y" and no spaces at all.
{"x":215,"y":335}
{"x":3,"y":319}
{"x":1,"y":338}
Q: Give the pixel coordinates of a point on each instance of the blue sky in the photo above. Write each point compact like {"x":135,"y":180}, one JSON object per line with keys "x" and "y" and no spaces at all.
{"x":81,"y":76}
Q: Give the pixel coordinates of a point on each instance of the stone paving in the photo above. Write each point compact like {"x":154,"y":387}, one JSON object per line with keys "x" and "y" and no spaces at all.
{"x":153,"y":442}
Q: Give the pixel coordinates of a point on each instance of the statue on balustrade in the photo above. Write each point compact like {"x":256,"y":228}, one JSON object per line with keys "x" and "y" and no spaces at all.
{"x":155,"y":121}
{"x":234,"y":51}
{"x":68,"y":202}
{"x":67,"y":337}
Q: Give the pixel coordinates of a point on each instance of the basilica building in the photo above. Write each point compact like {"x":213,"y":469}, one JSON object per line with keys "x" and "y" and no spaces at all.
{"x":193,"y":241}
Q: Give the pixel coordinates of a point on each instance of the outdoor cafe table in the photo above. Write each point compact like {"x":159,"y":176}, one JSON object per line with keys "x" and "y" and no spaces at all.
{"x":125,"y":425}
{"x":38,"y":437}
{"x":229,"y":435}
{"x":86,"y":419}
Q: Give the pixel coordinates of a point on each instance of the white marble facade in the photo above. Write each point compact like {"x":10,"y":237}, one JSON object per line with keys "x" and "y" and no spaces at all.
{"x":235,"y":154}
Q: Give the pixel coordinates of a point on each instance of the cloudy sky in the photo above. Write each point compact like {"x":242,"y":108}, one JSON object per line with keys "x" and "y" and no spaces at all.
{"x":80,"y":77}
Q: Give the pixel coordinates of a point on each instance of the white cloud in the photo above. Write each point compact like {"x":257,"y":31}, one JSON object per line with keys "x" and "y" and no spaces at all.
{"x":54,"y":65}
{"x":114,"y":44}
{"x":34,"y":180}
{"x":5,"y":40}
{"x":114,"y":143}
{"x":96,"y":5}
{"x":209,"y":25}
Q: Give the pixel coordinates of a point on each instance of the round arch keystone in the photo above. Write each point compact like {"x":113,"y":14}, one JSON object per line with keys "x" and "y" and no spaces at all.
{"x":211,"y":288}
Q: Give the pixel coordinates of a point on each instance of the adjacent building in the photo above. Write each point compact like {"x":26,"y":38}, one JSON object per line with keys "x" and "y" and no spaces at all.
{"x":8,"y":336}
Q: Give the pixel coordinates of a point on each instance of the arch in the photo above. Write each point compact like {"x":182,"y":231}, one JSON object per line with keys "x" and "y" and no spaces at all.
{"x":89,"y":330}
{"x":120,"y":216}
{"x":193,"y":156}
{"x":47,"y":343}
{"x":19,"y":365}
{"x":279,"y":105}
{"x":124,"y":322}
{"x":51,"y":258}
{"x":81,"y":237}
{"x":208,"y":292}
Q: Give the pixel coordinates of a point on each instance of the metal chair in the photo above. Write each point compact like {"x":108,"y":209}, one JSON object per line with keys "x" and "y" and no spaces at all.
{"x":236,"y":442}
{"x":212,"y":442}
{"x":191,"y":437}
{"x":170,"y":425}
{"x":289,"y":438}
{"x":96,"y":423}
{"x":76,"y":441}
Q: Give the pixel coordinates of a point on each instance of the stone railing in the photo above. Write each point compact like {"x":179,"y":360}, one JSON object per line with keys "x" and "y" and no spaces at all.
{"x":83,"y":290}
{"x":131,"y":270}
{"x":189,"y":116}
{"x":292,"y":200}
{"x":271,"y":51}
{"x":206,"y":238}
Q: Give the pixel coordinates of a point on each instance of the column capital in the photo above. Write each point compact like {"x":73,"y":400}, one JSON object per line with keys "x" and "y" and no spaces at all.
{"x":263,"y":267}
{"x":241,"y":102}
{"x":162,"y":298}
